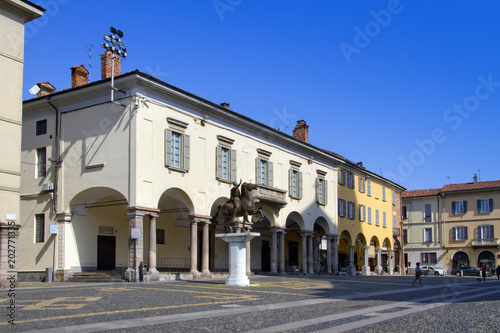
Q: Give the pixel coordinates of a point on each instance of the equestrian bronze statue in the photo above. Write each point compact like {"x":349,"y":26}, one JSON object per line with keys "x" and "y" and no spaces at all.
{"x":240,"y":204}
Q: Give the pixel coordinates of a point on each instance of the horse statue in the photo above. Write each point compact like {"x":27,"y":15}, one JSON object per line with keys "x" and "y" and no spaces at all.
{"x":239,"y":205}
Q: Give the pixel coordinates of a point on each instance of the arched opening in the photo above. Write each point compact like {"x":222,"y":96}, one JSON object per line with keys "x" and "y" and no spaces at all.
{"x":343,"y":251}
{"x":460,"y":258}
{"x":488,"y":258}
{"x":293,"y":242}
{"x":320,"y":245}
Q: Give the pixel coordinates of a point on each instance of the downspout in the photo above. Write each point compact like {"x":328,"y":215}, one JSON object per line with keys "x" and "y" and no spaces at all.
{"x":57,"y":162}
{"x":444,"y":220}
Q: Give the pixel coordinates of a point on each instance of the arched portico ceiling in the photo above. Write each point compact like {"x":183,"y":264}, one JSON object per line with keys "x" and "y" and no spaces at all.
{"x":322,"y":223}
{"x":486,"y":254}
{"x":176,"y":203}
{"x":345,"y":235}
{"x":96,"y":197}
{"x":360,"y":242}
{"x":387,"y":244}
{"x":294,"y":221}
{"x":375,"y":242}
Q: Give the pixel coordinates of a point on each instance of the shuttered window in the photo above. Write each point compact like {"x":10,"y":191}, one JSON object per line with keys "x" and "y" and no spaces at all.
{"x":295,"y":183}
{"x":321,"y":191}
{"x":226,"y":164}
{"x":39,"y":228}
{"x":485,"y":205}
{"x":177,"y":152}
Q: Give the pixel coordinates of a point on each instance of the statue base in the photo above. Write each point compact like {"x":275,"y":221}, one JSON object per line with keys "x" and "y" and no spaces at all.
{"x":237,"y":257}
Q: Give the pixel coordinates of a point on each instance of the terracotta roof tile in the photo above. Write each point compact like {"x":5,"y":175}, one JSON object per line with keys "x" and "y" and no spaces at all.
{"x":421,"y":193}
{"x":471,"y":186}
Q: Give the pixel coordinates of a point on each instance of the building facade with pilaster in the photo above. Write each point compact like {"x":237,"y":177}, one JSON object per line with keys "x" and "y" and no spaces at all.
{"x":141,"y":178}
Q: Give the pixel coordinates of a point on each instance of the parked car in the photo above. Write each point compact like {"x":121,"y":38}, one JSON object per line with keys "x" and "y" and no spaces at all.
{"x":468,"y":271}
{"x":431,"y":270}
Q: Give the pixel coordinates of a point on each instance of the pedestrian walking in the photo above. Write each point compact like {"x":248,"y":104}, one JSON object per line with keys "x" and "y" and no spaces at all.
{"x":498,"y":272}
{"x":418,"y":273}
{"x":483,"y":271}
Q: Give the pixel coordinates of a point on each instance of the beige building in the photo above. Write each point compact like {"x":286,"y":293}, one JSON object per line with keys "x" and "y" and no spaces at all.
{"x":159,"y":162}
{"x":471,"y":224}
{"x":14,"y":14}
{"x":458,"y":224}
{"x":423,"y":236}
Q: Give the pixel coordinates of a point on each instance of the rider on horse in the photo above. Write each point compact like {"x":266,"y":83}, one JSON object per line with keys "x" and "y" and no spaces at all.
{"x":236,"y":196}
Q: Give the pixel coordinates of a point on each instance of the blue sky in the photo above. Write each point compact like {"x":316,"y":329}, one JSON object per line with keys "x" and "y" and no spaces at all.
{"x":410,"y":88}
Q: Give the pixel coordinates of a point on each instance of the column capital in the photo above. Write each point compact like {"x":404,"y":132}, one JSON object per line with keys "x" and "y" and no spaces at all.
{"x":143,"y":210}
{"x":200,"y":218}
{"x":307,"y":233}
{"x":63,"y":217}
{"x":134,"y":215}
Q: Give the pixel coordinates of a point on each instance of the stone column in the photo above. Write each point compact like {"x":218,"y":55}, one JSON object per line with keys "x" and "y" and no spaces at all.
{"x":135,"y":246}
{"x":205,"y":250}
{"x":391,"y":262}
{"x":335,"y":255}
{"x":194,"y":248}
{"x":304,"y":253}
{"x":329,"y":254}
{"x":249,"y":269}
{"x":212,"y":249}
{"x":60,"y":271}
{"x":378,"y":268}
{"x":282,"y":251}
{"x":310,"y":257}
{"x":274,"y":251}
{"x":154,"y":274}
{"x":351,"y":269}
{"x":366,"y":266}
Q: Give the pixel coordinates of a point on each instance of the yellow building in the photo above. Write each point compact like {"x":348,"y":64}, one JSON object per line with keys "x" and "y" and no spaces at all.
{"x":369,"y":209}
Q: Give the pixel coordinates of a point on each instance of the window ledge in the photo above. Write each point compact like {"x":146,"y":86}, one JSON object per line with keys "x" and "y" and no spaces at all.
{"x":171,"y":168}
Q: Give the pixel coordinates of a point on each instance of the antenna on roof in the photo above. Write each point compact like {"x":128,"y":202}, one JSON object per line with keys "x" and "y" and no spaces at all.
{"x":89,"y":52}
{"x":449,"y":181}
{"x":479,"y":174}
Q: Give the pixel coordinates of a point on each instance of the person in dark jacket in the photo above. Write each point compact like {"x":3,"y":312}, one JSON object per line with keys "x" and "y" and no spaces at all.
{"x":418,"y":273}
{"x":498,"y":272}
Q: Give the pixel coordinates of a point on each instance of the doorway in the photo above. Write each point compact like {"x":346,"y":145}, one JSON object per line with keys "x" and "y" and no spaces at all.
{"x":106,"y":252}
{"x":265,"y":256}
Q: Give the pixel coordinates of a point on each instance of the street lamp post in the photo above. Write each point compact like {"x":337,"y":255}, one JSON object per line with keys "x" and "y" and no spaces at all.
{"x":115,"y":46}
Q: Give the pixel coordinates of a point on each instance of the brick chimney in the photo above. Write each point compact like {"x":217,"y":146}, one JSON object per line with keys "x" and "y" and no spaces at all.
{"x":475,"y":179}
{"x":45,"y":89}
{"x":79,"y":76}
{"x":106,"y":58}
{"x":360,"y":165}
{"x":225,"y":105}
{"x":301,"y":131}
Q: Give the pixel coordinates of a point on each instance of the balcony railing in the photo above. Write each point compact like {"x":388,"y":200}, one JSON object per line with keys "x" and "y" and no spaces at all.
{"x":271,"y":194}
{"x":491,"y":242}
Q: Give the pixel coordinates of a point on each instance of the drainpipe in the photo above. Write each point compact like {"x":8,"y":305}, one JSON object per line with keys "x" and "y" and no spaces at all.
{"x":444,"y":220}
{"x":57,"y":162}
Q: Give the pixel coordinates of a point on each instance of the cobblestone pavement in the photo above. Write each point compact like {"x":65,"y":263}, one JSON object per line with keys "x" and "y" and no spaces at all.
{"x":271,"y":304}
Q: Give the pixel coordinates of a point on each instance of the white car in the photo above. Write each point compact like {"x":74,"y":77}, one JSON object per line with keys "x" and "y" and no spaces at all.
{"x":431,"y":270}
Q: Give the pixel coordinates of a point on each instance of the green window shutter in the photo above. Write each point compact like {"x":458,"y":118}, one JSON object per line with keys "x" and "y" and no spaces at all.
{"x":317,"y":191}
{"x":290,"y":182}
{"x":465,"y":206}
{"x":271,"y":174}
{"x":479,"y":206}
{"x":258,"y":171}
{"x":491,"y":231}
{"x":454,"y":233}
{"x":233,"y":165}
{"x":453,"y":207}
{"x":186,"y":152}
{"x":168,"y":147}
{"x":491,"y":205}
{"x":340,"y":207}
{"x":466,"y":233}
{"x":300,"y":185}
{"x":219,"y":161}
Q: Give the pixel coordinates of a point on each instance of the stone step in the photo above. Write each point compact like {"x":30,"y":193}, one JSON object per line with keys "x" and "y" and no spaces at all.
{"x":99,"y":276}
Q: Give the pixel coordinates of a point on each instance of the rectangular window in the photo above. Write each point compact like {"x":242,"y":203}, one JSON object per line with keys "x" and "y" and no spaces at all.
{"x":394,"y":222}
{"x":265,"y":172}
{"x":485,"y":205}
{"x":295,"y":183}
{"x":362,"y":213}
{"x":459,"y":233}
{"x":369,"y":215}
{"x":41,"y":127}
{"x":342,"y":207}
{"x":177,"y":150}
{"x":485,"y":231}
{"x":405,"y":212}
{"x":393,"y":198}
{"x":428,"y":235}
{"x":41,"y":161}
{"x":384,"y":219}
{"x":369,"y":187}
{"x":321,"y":191}
{"x":351,"y":210}
{"x":350,"y":180}
{"x":428,"y":258}
{"x":459,"y":207}
{"x":427,"y":213}
{"x":39,"y":228}
{"x":362,"y":185}
{"x":405,"y":236}
{"x":160,"y":236}
{"x":226,"y":164}
{"x":383,"y":193}
{"x":341,"y":177}
{"x":377,"y":221}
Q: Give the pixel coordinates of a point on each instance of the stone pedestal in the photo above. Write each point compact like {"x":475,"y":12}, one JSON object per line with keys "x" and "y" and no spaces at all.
{"x":237,"y":257}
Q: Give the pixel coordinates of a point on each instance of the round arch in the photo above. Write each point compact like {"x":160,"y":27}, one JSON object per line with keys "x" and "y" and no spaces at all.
{"x":294,"y":221}
{"x":460,"y":258}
